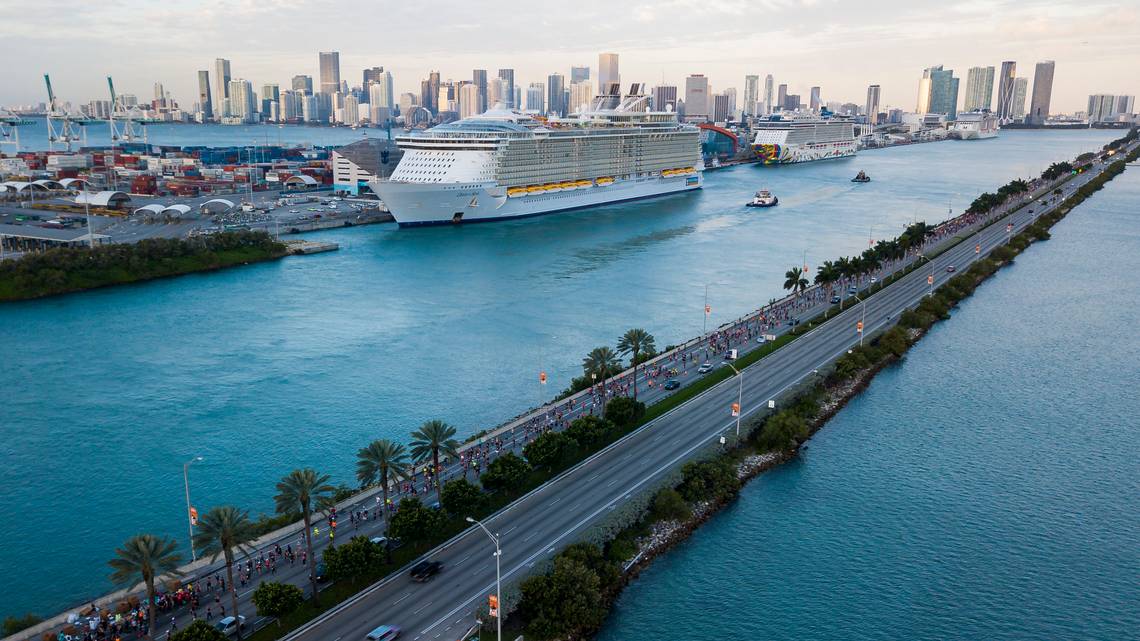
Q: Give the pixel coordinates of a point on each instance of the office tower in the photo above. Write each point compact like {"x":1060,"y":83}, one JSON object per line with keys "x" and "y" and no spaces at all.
{"x":813,"y":99}
{"x":555,"y":86}
{"x":1005,"y":91}
{"x":270,"y":96}
{"x":768,"y":83}
{"x":730,"y":93}
{"x":751,"y":94}
{"x":1017,"y":105}
{"x":291,"y":109}
{"x":1042,"y":92}
{"x":581,"y":95}
{"x":469,"y":100}
{"x":938,"y":92}
{"x":509,"y":76}
{"x":782,"y":97}
{"x":433,"y":92}
{"x":205,"y":104}
{"x":242,"y":100}
{"x":303,"y":85}
{"x":310,"y":109}
{"x":1125,"y":104}
{"x":697,"y":97}
{"x":408,"y":101}
{"x":221,"y":87}
{"x":665,"y":98}
{"x":1102,"y":108}
{"x":535,"y":95}
{"x":448,"y":97}
{"x":792,"y":102}
{"x":607,"y":71}
{"x":871,"y":108}
{"x":479,"y":79}
{"x":579,"y":74}
{"x":370,"y":76}
{"x":330,"y":72}
{"x":979,"y":88}
{"x":722,"y":108}
{"x":386,"y":93}
{"x":350,"y":110}
{"x":496,"y":92}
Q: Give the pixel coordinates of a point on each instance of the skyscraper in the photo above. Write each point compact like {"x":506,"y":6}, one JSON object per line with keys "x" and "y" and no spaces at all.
{"x":221,"y":87}
{"x":509,"y":76}
{"x":330,"y":72}
{"x":938,"y":92}
{"x":697,"y":98}
{"x":555,"y":88}
{"x":386,"y":93}
{"x":1042,"y":92}
{"x":370,"y":76}
{"x":303,"y":85}
{"x":665,"y":98}
{"x":607,"y":70}
{"x":871,"y":108}
{"x":1102,"y":107}
{"x":205,"y":104}
{"x":479,"y":79}
{"x":469,"y":99}
{"x":429,"y":93}
{"x":768,"y":84}
{"x":1017,"y":104}
{"x":535,"y":96}
{"x":1005,"y":91}
{"x":270,"y":95}
{"x":751,"y":94}
{"x":781,"y":96}
{"x":579,"y":74}
{"x":979,"y":88}
{"x":581,"y":95}
{"x":722,"y":109}
{"x":242,"y":103}
{"x":814,"y":102}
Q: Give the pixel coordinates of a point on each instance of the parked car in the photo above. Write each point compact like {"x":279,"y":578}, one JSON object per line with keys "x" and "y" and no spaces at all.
{"x":672,"y":384}
{"x":383,"y":633}
{"x":425,"y":570}
{"x":874,"y":280}
{"x":229,"y":625}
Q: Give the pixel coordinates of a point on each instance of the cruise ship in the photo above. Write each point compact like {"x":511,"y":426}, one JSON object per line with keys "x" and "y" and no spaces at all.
{"x":801,"y":137}
{"x":507,"y":164}
{"x":974,"y":125}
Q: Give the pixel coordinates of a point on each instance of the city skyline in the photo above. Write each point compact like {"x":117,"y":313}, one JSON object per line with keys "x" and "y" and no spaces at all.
{"x":1046,"y":31}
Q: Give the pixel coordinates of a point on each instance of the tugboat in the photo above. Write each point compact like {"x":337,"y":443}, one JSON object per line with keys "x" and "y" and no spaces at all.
{"x":861,"y":177}
{"x":763,"y":198}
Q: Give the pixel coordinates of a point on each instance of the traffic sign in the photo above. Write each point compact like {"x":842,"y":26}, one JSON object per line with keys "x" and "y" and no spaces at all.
{"x":736,"y":409}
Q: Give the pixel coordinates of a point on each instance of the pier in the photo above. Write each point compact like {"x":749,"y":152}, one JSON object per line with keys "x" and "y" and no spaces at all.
{"x":302,"y":247}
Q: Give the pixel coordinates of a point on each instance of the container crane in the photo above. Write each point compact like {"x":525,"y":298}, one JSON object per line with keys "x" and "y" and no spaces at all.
{"x":125,"y":130}
{"x":10,"y":129}
{"x":63,"y":126}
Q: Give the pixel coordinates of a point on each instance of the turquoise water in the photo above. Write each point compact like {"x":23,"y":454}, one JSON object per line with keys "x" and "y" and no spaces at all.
{"x":301,"y":362}
{"x":985,"y":488}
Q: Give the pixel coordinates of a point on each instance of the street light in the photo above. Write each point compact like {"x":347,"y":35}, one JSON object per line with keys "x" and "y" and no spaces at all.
{"x":498,"y":584}
{"x":863,"y":320}
{"x":189,"y":509}
{"x":930,"y":278}
{"x":739,"y":398}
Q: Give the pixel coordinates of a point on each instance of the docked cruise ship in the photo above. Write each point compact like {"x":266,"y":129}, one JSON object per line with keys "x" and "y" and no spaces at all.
{"x":507,"y":164}
{"x":974,"y":125}
{"x":801,"y":137}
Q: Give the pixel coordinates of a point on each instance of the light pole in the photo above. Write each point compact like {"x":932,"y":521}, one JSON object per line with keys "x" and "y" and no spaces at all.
{"x":705,"y":327}
{"x":498,"y":583}
{"x":739,"y":398}
{"x":929,"y":279}
{"x":863,"y":320}
{"x":189,"y":516}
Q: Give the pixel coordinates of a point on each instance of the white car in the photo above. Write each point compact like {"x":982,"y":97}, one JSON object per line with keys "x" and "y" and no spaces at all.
{"x":705,"y":368}
{"x":294,"y":211}
{"x":760,"y":339}
{"x":229,"y":625}
{"x":874,"y":280}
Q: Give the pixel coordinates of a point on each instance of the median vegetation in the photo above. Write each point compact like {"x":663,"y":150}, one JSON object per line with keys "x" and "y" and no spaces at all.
{"x":72,"y":269}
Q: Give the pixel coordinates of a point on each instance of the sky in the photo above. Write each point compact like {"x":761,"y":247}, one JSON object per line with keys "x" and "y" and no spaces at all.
{"x":839,"y":45}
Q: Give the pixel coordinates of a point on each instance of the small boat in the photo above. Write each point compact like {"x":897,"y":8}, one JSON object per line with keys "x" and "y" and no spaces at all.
{"x":861,"y":177}
{"x":763,"y":198}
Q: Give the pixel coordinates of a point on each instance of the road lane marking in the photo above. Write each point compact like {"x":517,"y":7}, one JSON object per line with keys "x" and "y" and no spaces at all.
{"x":610,"y":484}
{"x":422,"y":608}
{"x":462,"y":560}
{"x":402,"y":598}
{"x":509,"y":531}
{"x":481,"y":568}
{"x":530,"y":536}
{"x":574,"y":507}
{"x":556,"y":499}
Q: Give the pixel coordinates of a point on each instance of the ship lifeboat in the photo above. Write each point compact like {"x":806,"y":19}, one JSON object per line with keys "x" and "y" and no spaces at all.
{"x":602,"y":182}
{"x":583,"y":184}
{"x":534,"y":189}
{"x":568,"y":185}
{"x":551,"y":187}
{"x":515,"y":192}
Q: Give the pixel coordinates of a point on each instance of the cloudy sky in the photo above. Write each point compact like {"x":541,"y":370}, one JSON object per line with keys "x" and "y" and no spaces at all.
{"x":841,"y":45}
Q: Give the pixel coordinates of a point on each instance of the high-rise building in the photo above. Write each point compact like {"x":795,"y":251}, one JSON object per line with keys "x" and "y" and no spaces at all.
{"x":1017,"y":104}
{"x":433,"y":92}
{"x":408,"y":101}
{"x":722,"y":108}
{"x":350,"y":110}
{"x":292,"y":108}
{"x":979,"y":88}
{"x":781,"y":97}
{"x":1005,"y":91}
{"x":1042,"y":92}
{"x":607,"y":71}
{"x":205,"y":104}
{"x":579,"y":74}
{"x":270,"y":96}
{"x":555,"y":87}
{"x":469,"y":100}
{"x":871,"y":108}
{"x":581,"y":95}
{"x":1125,"y":105}
{"x":496,"y":92}
{"x":768,"y":97}
{"x":813,"y":99}
{"x":330,"y":72}
{"x":448,"y":96}
{"x":1102,"y":108}
{"x":751,"y":94}
{"x":243,"y":104}
{"x":665,"y":98}
{"x":938,"y":92}
{"x":509,"y":76}
{"x":221,"y":87}
{"x":479,"y":79}
{"x":369,"y":76}
{"x":303,"y":85}
{"x":791,"y":102}
{"x":697,"y":98}
{"x":379,"y":102}
{"x":535,"y":97}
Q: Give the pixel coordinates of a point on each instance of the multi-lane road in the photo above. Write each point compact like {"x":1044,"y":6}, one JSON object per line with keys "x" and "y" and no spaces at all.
{"x":536,"y":526}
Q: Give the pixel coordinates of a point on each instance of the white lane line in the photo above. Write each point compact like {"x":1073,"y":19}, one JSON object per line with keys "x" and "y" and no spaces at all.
{"x":402,"y":598}
{"x":481,"y":568}
{"x":530,"y":536}
{"x":422,"y":608}
{"x":610,"y":484}
{"x":509,"y":531}
{"x":574,"y":507}
{"x":462,"y":560}
{"x":557,"y":499}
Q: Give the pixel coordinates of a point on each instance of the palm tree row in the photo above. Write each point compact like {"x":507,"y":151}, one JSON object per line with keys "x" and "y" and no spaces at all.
{"x":603,"y":362}
{"x":869,"y":261}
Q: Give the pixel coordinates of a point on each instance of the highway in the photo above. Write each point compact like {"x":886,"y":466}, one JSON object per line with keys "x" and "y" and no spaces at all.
{"x":537,"y":525}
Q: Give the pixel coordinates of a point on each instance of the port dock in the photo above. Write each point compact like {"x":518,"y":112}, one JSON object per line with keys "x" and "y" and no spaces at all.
{"x":302,"y":247}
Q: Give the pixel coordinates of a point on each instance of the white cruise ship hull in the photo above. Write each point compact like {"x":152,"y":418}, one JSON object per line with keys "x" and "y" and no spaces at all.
{"x":785,"y":154}
{"x":414,"y":203}
{"x":974,"y":134}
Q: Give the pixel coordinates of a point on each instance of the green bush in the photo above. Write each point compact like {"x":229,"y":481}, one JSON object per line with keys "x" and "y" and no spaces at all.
{"x":624,"y":412}
{"x":507,"y":474}
{"x":199,"y":630}
{"x":669,"y":505}
{"x":565,"y":602}
{"x":274,"y":599}
{"x":551,"y":451}
{"x":12,"y":625}
{"x":462,"y":499}
{"x":591,"y":433}
{"x":414,"y":522}
{"x":708,"y":480}
{"x":357,"y":558}
{"x":895,"y":341}
{"x":782,"y":431}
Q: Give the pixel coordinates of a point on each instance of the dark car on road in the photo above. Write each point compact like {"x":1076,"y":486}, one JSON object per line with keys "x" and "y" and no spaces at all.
{"x":672,"y":383}
{"x":792,"y":322}
{"x":425,"y":570}
{"x":835,"y":300}
{"x":322,"y":572}
{"x":950,"y":268}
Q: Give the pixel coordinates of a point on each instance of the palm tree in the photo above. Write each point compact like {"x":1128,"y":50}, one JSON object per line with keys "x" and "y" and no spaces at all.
{"x":434,"y":437}
{"x":601,"y":361}
{"x":796,"y":282}
{"x":220,"y":531}
{"x":302,"y":490}
{"x":382,"y":461}
{"x":145,"y":557}
{"x":636,"y":342}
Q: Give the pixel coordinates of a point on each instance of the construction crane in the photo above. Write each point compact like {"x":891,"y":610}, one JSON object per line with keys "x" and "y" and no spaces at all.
{"x":10,"y":130}
{"x":63,"y":126}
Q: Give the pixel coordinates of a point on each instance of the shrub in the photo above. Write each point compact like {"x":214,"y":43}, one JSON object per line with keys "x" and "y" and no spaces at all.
{"x":12,"y":625}
{"x":414,"y":522}
{"x":562,"y":603}
{"x":708,"y":480}
{"x":895,"y":341}
{"x":359,"y":557}
{"x":782,"y":431}
{"x":274,"y":599}
{"x":506,"y":474}
{"x":624,"y":412}
{"x":461,"y":498}
{"x":199,"y":630}
{"x":669,"y":505}
{"x":551,"y":451}
{"x":591,"y":432}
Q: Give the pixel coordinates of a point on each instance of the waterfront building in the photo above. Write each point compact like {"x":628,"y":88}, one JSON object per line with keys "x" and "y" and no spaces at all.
{"x":555,"y":101}
{"x":1020,"y":90}
{"x":303,"y":84}
{"x":791,"y":102}
{"x":1042,"y":92}
{"x":310,"y":110}
{"x":1125,"y":105}
{"x":243,"y":105}
{"x":205,"y":102}
{"x":871,"y":107}
{"x":469,"y":100}
{"x":292,"y":107}
{"x":697,"y":98}
{"x":581,"y":94}
{"x":100,"y":109}
{"x":350,"y":111}
{"x":781,"y":96}
{"x":536,"y":97}
{"x":1110,"y":108}
{"x":222,"y":87}
{"x":938,"y":92}
{"x":722,"y":110}
{"x":751,"y":94}
{"x":979,"y":88}
{"x":479,"y":79}
{"x":270,"y":95}
{"x":330,"y":72}
{"x":665,"y":98}
{"x":579,"y":74}
{"x":1005,"y":91}
{"x":408,"y":101}
{"x":509,"y":76}
{"x":813,"y":100}
{"x":356,"y":164}
{"x":379,"y":103}
{"x":370,"y":76}
{"x":607,"y":71}
{"x":768,"y":84}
